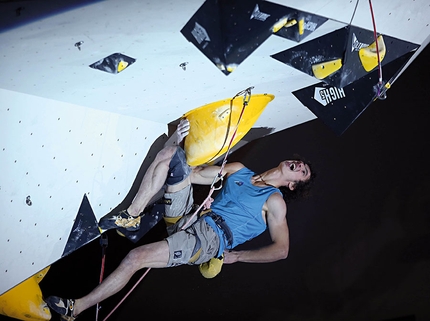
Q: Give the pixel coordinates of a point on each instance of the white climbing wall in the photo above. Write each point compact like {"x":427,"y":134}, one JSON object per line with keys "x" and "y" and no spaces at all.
{"x":53,"y":154}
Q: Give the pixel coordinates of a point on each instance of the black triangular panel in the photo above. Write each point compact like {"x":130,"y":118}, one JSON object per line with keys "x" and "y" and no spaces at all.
{"x":114,"y":63}
{"x":85,"y":229}
{"x":337,"y":107}
{"x":228,"y":31}
{"x":341,"y":44}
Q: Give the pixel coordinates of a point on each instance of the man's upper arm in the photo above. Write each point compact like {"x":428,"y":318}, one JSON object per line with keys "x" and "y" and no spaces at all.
{"x":277,"y":223}
{"x":204,"y":175}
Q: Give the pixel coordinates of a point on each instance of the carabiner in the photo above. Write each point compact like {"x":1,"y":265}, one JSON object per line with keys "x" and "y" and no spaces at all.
{"x":216,"y":179}
{"x":247,"y":95}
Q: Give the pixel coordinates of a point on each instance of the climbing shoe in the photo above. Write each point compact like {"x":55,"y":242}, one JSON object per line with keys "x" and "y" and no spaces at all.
{"x":121,"y":219}
{"x":64,"y":307}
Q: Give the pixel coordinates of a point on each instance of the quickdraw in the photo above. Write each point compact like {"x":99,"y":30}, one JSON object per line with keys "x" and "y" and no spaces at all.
{"x":381,"y":92}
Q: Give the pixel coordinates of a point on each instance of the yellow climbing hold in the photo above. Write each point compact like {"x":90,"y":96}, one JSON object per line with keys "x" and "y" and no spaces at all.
{"x":283,"y":23}
{"x":211,"y":123}
{"x":279,"y":25}
{"x":301,"y":26}
{"x":24,"y":301}
{"x":369,"y":56}
{"x":122,"y":65}
{"x":326,"y":68}
{"x":231,"y":67}
{"x":290,"y":23}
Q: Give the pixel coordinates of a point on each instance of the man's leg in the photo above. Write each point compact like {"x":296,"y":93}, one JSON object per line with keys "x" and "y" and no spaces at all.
{"x":178,"y":197}
{"x":153,"y":255}
{"x":156,"y":175}
{"x":153,"y":180}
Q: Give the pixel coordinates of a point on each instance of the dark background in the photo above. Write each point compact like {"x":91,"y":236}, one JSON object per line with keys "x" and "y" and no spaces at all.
{"x":359,"y":246}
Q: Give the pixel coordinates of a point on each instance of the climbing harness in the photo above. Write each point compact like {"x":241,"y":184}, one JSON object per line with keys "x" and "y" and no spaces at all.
{"x":218,"y":178}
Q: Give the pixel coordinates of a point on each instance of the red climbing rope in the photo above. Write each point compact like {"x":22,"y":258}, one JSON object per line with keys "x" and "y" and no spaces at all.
{"x":247,"y":97}
{"x":104,"y":244}
{"x":141,"y":278}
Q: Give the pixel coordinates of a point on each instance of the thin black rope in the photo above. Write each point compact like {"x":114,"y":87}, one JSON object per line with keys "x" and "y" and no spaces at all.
{"x":353,"y":14}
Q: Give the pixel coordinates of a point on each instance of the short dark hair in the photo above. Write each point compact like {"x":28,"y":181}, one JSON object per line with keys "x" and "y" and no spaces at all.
{"x":302,"y":188}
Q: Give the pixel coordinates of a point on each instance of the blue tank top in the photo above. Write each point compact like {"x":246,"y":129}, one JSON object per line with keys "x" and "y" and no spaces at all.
{"x":240,"y":204}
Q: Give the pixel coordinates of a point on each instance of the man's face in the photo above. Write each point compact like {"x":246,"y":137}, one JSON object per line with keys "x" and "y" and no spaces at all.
{"x":295,"y":170}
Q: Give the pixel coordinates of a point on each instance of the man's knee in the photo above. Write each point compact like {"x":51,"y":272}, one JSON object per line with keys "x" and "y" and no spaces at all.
{"x":149,"y":255}
{"x":166,"y":153}
{"x":131,"y":262}
{"x":133,"y":257}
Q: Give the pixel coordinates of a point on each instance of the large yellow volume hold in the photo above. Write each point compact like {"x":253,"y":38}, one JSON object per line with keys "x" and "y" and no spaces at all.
{"x":24,"y":301}
{"x":212,"y":126}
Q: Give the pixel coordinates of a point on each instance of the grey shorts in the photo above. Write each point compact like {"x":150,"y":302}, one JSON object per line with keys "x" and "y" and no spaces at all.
{"x":197,"y":244}
{"x":179,"y":203}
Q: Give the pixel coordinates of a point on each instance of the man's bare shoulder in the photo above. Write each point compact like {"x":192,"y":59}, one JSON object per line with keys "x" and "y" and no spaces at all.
{"x":276,"y":205}
{"x":231,"y":168}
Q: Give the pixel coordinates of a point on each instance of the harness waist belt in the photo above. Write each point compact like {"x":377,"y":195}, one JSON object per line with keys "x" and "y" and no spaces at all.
{"x":221,"y":224}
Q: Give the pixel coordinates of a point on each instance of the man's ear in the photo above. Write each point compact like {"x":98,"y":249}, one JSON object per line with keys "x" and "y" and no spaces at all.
{"x":291,"y":186}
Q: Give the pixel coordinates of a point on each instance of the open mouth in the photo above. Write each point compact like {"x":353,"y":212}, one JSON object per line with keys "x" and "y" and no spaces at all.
{"x":292,"y":166}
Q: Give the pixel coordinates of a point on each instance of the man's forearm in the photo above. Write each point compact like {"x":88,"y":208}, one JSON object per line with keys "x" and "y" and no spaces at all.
{"x":263,"y":255}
